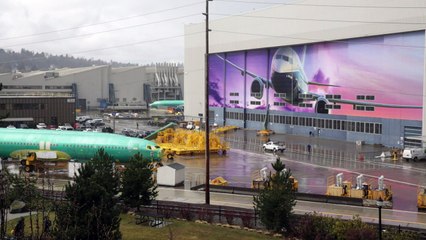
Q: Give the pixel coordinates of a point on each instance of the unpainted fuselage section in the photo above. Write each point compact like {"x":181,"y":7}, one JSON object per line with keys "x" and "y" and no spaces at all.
{"x":78,"y":145}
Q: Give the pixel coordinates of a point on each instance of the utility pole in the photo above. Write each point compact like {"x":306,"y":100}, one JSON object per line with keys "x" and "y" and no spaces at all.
{"x":206,"y":115}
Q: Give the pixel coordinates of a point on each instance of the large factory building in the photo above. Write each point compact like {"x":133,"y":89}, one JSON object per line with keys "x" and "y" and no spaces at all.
{"x":86,"y":89}
{"x":337,"y":69}
{"x":99,"y":86}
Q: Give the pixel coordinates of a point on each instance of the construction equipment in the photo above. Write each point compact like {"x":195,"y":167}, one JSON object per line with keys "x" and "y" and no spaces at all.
{"x":340,"y":187}
{"x":260,"y":179}
{"x":362,"y":189}
{"x":421,"y":198}
{"x":225,"y":129}
{"x":41,"y":159}
{"x":187,"y":142}
{"x":265,"y":132}
{"x":219,"y":181}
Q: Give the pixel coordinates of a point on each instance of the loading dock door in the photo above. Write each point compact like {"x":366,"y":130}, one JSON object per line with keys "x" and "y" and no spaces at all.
{"x":409,"y":133}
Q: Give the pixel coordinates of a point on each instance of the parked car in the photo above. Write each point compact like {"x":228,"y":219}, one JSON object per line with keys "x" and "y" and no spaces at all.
{"x":23,"y":125}
{"x":65,"y":128}
{"x":129,"y":132}
{"x":105,"y":129}
{"x":41,"y":126}
{"x":192,"y":126}
{"x":95,"y":122}
{"x":414,"y":154}
{"x":82,"y":119}
{"x":144,"y":134}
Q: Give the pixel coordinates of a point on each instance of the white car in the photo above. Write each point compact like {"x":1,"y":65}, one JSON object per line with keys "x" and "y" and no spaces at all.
{"x":414,"y":154}
{"x":191,"y":126}
{"x":271,"y":146}
{"x":65,"y":128}
{"x":41,"y":126}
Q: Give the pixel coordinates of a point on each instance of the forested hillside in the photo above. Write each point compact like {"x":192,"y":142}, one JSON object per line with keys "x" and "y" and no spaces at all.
{"x":26,"y":61}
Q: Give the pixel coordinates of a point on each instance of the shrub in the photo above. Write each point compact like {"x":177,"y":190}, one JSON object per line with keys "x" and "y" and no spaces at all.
{"x":185,"y":213}
{"x":315,"y":226}
{"x":206,"y":214}
{"x":246,"y":219}
{"x":167,"y":212}
{"x":229,"y":217}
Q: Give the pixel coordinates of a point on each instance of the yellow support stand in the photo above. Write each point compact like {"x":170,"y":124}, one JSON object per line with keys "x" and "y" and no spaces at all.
{"x":187,"y":142}
{"x":394,"y":156}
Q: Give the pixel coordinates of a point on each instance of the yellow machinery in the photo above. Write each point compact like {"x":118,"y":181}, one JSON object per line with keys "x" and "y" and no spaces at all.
{"x":219,"y":181}
{"x":362,"y":189}
{"x":186,"y":142}
{"x":265,"y":132}
{"x":41,"y":159}
{"x":421,"y":198}
{"x":395,"y":154}
{"x":260,"y":180}
{"x":225,"y":129}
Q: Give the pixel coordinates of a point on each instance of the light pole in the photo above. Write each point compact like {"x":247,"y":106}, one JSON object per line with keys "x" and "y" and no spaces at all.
{"x":206,"y":115}
{"x":380,"y":205}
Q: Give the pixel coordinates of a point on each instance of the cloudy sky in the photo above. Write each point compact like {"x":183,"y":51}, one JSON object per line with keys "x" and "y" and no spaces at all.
{"x":136,"y":31}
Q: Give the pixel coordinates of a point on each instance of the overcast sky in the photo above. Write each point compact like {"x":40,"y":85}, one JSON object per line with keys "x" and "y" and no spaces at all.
{"x":83,"y":27}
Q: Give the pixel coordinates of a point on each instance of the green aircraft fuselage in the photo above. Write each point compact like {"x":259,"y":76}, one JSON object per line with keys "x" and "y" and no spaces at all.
{"x":166,"y":103}
{"x":16,"y":143}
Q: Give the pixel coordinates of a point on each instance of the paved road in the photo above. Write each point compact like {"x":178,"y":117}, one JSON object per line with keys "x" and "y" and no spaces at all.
{"x":328,"y":158}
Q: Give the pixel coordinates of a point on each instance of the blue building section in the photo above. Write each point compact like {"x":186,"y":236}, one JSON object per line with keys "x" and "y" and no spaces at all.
{"x":387,"y":132}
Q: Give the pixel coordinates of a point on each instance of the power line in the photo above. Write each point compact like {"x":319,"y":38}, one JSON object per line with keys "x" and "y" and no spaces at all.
{"x":100,"y":32}
{"x":322,"y":5}
{"x":101,"y":23}
{"x":318,"y":20}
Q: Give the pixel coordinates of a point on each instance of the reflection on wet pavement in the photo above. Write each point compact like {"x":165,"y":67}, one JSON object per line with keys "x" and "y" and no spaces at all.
{"x":326,"y":159}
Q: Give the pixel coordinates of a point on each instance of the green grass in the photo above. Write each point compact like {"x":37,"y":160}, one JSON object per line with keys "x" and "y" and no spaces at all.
{"x":179,"y":229}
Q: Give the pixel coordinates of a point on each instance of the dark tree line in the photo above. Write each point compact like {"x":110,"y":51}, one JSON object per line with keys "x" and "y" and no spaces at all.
{"x":26,"y":61}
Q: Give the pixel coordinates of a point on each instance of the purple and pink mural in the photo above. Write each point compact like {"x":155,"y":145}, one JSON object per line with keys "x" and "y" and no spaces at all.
{"x":389,"y":67}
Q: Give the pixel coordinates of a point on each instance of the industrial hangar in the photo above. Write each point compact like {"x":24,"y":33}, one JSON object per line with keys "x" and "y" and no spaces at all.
{"x":35,"y":94}
{"x":345,"y":70}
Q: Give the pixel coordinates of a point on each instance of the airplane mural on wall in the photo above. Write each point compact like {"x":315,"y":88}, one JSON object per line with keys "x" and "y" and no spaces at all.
{"x":289,"y":81}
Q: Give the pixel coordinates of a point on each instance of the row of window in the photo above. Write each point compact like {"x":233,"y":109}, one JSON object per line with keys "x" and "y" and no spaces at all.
{"x":23,"y":106}
{"x":365,"y":97}
{"x":22,"y":87}
{"x":58,"y":87}
{"x":65,"y":145}
{"x":35,"y":87}
{"x":257,"y":103}
{"x":344,"y":125}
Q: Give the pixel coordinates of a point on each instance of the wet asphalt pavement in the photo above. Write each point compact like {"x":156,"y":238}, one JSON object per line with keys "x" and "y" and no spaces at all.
{"x":327,"y":158}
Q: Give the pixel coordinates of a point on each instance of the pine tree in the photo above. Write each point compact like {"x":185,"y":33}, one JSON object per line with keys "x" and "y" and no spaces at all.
{"x":138,"y":185}
{"x":90,"y":210}
{"x":276,"y":201}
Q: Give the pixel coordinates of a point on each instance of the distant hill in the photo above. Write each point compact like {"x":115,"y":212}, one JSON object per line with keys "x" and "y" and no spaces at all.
{"x":26,"y":61}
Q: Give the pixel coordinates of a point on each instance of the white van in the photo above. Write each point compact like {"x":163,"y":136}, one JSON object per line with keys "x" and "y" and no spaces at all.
{"x":413,"y":154}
